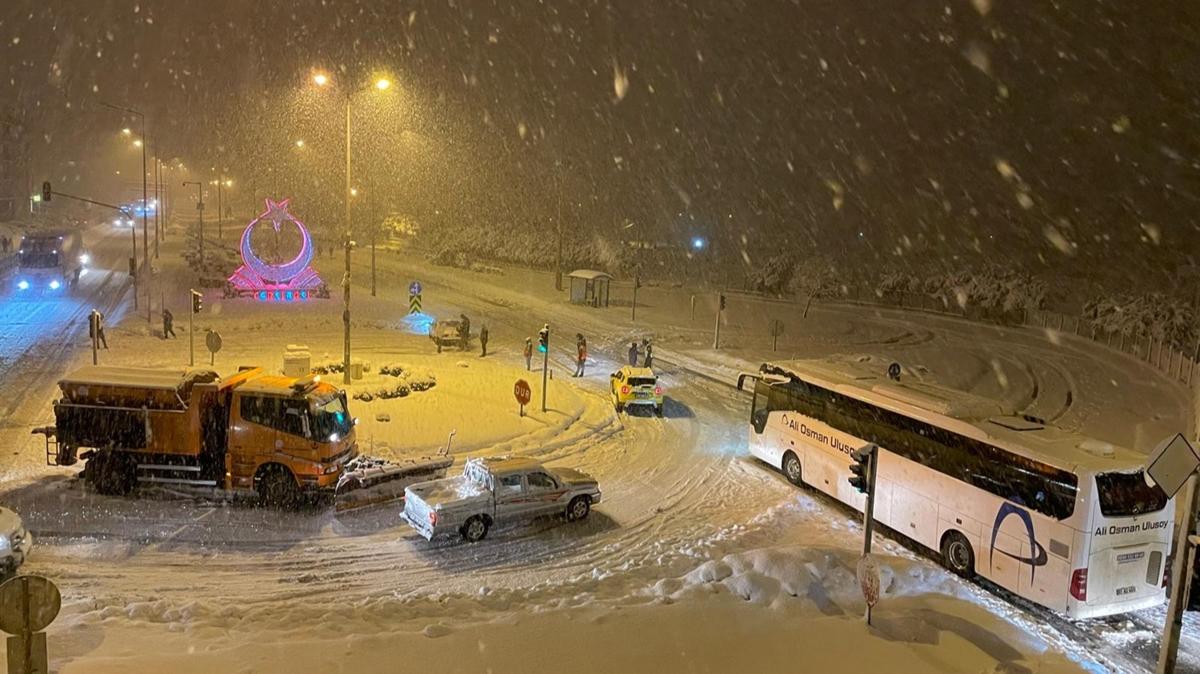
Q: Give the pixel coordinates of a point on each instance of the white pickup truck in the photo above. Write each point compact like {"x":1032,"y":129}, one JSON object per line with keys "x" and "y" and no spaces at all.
{"x":493,"y":491}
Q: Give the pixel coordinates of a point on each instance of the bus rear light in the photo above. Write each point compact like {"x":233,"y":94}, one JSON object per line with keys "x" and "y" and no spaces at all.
{"x":433,"y":517}
{"x":657,"y":390}
{"x":1079,"y":584}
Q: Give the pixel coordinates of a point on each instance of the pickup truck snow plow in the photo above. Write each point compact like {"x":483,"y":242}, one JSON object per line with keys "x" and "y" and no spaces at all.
{"x":283,"y":439}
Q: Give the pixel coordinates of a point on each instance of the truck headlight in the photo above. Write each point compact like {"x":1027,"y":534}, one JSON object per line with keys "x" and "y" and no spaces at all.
{"x":23,"y":284}
{"x":55,"y":285}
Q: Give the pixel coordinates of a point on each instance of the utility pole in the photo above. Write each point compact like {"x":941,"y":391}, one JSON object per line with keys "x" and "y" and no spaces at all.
{"x":717,"y":328}
{"x":637,"y":283}
{"x":1181,"y":576}
{"x":220,"y":215}
{"x":349,"y":244}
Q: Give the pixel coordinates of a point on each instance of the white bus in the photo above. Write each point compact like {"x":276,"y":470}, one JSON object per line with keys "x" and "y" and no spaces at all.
{"x":1055,"y":517}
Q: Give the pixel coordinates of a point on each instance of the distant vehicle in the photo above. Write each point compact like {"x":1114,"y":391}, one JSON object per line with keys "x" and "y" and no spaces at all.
{"x":50,"y":261}
{"x":15,"y":542}
{"x":636,"y":386}
{"x":279,"y":437}
{"x":448,"y":332}
{"x":1055,"y":517}
{"x":122,"y":221}
{"x":496,"y":491}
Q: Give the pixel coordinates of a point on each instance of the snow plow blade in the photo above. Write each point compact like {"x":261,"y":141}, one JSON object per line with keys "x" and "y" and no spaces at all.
{"x":368,"y":481}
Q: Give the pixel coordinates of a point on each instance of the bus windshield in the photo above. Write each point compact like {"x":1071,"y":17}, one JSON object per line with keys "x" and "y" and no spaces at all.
{"x":1127,"y":494}
{"x":38,"y":253}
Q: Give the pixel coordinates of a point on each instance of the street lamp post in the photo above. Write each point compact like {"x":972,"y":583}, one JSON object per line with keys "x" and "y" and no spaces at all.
{"x":145,"y":226}
{"x":321,"y":80}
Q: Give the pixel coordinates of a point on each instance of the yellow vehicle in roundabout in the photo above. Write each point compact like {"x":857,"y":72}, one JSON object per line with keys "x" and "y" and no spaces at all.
{"x":636,"y":386}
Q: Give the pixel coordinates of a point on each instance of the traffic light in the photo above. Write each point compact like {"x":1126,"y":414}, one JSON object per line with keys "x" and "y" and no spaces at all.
{"x":544,"y":338}
{"x":862,"y":467}
{"x":722,"y":296}
{"x":46,"y":191}
{"x":197,"y":302}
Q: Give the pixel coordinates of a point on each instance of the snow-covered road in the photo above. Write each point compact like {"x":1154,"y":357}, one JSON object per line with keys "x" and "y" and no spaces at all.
{"x":680,"y":493}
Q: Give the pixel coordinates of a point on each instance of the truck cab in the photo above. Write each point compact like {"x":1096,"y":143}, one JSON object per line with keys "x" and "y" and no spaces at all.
{"x":287,"y":434}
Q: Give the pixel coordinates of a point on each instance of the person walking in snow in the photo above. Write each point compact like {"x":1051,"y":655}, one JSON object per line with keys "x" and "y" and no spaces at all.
{"x":633,"y":354}
{"x":649,"y":348}
{"x":580,"y":354}
{"x":483,"y":340}
{"x":168,"y":323}
{"x":528,"y":354}
{"x":466,"y":330}
{"x":96,"y":329}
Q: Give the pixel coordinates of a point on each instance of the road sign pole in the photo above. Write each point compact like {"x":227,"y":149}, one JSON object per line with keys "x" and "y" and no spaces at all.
{"x":545,"y":369}
{"x":869,"y":513}
{"x":1181,"y":575}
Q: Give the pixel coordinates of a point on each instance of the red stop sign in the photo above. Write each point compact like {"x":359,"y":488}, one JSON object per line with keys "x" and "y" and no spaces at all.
{"x":522,"y":392}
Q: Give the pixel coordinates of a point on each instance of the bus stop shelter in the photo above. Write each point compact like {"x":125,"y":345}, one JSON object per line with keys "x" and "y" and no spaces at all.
{"x":590,"y":287}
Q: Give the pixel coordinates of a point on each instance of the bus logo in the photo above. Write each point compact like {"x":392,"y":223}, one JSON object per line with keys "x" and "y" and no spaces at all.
{"x":1038,"y":556}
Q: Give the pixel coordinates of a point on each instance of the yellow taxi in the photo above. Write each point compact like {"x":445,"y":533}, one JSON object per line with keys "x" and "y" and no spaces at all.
{"x":636,"y":386}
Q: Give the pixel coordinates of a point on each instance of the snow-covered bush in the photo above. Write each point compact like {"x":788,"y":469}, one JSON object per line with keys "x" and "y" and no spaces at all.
{"x":1164,"y":318}
{"x":993,"y":291}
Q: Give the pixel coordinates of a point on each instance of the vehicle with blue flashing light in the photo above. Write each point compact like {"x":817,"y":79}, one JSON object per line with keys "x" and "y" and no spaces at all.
{"x":1055,"y":517}
{"x":50,"y":261}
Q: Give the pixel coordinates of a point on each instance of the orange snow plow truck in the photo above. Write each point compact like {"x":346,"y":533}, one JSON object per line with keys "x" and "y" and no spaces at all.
{"x":281,"y":438}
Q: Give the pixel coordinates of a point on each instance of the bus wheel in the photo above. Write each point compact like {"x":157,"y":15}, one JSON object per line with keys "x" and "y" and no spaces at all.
{"x":957,"y":554}
{"x":792,"y":470}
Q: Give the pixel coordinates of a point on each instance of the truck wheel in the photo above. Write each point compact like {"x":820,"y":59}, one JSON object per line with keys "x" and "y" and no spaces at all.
{"x":277,"y":488}
{"x":578,"y":508}
{"x":474,"y":529}
{"x":113,"y":474}
{"x":957,"y":554}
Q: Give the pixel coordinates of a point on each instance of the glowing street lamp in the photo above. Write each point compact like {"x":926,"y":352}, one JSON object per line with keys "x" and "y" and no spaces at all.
{"x":300,"y":143}
{"x":381,"y":84}
{"x":137,"y":142}
{"x":126,"y":132}
{"x":354,"y":191}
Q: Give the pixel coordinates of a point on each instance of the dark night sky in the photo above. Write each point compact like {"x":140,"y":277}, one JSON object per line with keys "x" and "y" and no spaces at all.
{"x":1061,"y":135}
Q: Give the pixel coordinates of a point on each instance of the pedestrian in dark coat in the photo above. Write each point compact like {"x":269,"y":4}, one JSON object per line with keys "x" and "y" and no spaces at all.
{"x":649,"y":354}
{"x":168,"y":323}
{"x":483,"y":340}
{"x":633,"y":354}
{"x":528,"y":353}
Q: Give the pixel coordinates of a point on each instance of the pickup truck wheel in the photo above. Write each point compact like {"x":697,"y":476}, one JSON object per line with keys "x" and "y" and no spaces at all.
{"x":474,"y":529}
{"x":578,"y":508}
{"x":277,"y":488}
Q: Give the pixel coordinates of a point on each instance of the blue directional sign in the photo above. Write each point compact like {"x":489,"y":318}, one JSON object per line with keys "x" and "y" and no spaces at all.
{"x":414,"y":288}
